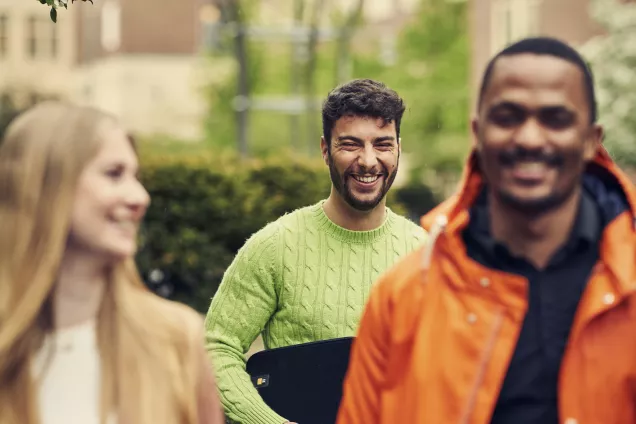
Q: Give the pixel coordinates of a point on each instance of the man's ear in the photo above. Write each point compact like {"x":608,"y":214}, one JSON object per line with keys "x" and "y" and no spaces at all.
{"x":474,"y":130}
{"x":593,"y":141}
{"x":399,"y":146}
{"x":324,"y":148}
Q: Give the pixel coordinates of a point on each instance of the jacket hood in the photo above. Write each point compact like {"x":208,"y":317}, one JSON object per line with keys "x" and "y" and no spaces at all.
{"x":610,"y":185}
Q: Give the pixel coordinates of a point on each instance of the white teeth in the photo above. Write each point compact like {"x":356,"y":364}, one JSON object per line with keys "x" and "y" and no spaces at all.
{"x":531,"y":166}
{"x":366,"y":179}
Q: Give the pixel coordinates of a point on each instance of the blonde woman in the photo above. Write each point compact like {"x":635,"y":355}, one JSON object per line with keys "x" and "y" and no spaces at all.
{"x":81,"y":339}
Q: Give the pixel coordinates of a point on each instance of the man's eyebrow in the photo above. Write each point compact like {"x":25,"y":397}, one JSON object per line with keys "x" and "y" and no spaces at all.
{"x":506,"y":104}
{"x":349,"y":138}
{"x":359,"y":140}
{"x":515,"y":106}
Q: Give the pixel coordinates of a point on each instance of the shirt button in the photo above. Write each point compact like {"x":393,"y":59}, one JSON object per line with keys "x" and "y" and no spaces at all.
{"x":484,"y":282}
{"x":472,"y":318}
{"x":609,"y":298}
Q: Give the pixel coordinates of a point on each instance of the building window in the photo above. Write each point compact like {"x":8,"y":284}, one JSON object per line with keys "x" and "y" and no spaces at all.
{"x":4,"y":35}
{"x":512,"y":20}
{"x":42,"y":38}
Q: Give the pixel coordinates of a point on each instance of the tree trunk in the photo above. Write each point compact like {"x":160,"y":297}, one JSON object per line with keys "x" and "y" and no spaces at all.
{"x":313,"y":130}
{"x":295,"y":73}
{"x":241,"y":101}
{"x":343,"y":53}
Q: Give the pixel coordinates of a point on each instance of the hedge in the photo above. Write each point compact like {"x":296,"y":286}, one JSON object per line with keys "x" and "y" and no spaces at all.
{"x":203,"y":210}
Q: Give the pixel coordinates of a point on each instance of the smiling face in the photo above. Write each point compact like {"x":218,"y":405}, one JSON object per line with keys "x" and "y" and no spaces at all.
{"x":363,"y":160}
{"x":110,"y":201}
{"x":533,"y":132}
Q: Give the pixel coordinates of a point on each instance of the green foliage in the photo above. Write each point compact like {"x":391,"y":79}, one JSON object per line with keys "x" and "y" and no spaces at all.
{"x":204,"y":209}
{"x":56,"y":4}
{"x":219,"y":123}
{"x":612,"y":57}
{"x":432,"y":74}
{"x":417,"y":198}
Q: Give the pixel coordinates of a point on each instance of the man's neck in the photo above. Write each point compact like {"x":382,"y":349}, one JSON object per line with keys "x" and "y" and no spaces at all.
{"x":533,"y":237}
{"x":343,"y":215}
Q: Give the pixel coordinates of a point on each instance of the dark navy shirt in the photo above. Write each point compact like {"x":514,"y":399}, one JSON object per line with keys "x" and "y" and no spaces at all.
{"x":529,"y":391}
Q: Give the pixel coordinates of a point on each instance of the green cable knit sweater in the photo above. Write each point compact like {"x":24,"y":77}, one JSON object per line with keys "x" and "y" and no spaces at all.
{"x":301,"y":278}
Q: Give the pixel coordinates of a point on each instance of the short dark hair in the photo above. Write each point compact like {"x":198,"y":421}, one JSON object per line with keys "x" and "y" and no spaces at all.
{"x":361,"y":97}
{"x":551,"y":47}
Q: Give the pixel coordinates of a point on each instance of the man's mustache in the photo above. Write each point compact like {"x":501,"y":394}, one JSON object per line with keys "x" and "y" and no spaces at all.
{"x":519,"y":154}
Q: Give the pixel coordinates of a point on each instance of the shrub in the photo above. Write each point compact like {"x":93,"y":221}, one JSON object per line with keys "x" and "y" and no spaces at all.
{"x":204,"y":210}
{"x":417,"y":199}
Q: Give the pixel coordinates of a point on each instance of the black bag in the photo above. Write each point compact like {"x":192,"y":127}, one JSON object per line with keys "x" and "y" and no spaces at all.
{"x":302,"y":383}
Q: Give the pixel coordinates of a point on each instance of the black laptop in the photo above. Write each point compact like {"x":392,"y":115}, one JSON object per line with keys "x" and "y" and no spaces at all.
{"x":302,"y":383}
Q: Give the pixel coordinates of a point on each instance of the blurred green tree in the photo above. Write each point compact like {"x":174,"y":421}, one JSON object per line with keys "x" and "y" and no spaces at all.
{"x":612,"y":58}
{"x":431,"y":72}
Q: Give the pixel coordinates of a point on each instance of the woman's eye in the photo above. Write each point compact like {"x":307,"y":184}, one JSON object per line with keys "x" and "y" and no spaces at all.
{"x":115,"y":174}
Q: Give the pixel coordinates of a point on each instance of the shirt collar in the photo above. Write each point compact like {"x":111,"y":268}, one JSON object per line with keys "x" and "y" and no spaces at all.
{"x":585,"y":231}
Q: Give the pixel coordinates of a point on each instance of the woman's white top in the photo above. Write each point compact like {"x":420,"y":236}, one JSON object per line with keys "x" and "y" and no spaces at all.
{"x":67,"y":371}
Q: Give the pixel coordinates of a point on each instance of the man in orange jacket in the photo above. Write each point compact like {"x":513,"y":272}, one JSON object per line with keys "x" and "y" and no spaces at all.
{"x":521,"y":307}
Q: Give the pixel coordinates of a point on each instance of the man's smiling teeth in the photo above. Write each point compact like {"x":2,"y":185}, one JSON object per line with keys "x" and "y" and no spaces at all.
{"x":531,"y":166}
{"x":364,"y":179}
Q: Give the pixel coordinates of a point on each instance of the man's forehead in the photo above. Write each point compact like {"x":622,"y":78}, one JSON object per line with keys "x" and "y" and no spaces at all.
{"x":378,"y":121}
{"x":532,"y":73}
{"x":363,"y":124}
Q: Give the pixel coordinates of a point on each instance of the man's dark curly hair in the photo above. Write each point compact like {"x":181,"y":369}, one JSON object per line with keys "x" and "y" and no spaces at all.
{"x":361,"y":97}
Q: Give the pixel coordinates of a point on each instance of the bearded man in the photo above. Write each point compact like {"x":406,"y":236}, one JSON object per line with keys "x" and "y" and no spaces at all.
{"x":307,"y":276}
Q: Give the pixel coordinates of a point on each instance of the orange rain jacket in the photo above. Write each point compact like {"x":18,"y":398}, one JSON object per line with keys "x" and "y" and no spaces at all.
{"x":439,"y":329}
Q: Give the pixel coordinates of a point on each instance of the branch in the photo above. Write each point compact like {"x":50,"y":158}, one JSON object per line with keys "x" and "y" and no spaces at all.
{"x":56,"y":4}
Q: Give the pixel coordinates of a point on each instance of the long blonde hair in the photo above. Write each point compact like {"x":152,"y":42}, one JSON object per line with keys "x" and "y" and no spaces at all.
{"x":42,"y":156}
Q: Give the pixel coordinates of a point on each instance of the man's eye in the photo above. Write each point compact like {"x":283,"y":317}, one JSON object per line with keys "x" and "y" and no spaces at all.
{"x":384,"y":146}
{"x":507,"y":119}
{"x":557,"y":119}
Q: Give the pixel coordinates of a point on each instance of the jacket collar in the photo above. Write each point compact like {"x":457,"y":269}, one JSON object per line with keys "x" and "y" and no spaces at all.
{"x":618,"y":243}
{"x":456,"y":207}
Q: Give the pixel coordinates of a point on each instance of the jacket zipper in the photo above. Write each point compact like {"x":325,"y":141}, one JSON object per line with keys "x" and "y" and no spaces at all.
{"x":483,"y":365}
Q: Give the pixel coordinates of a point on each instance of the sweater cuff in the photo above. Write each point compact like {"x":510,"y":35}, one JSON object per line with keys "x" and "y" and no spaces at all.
{"x":250,"y":409}
{"x":263,"y":416}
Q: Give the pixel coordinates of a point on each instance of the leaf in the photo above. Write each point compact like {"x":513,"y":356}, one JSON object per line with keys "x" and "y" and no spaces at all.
{"x":54,"y":15}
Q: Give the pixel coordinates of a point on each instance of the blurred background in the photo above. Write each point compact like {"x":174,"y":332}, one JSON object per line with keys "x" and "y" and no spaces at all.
{"x":224,"y":98}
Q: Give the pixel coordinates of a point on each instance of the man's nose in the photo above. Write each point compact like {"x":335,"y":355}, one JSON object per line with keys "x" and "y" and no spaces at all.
{"x":367,"y":158}
{"x":530,"y":135}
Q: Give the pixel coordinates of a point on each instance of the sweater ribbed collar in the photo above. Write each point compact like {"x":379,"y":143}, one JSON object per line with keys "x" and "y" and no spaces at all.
{"x":328,"y":226}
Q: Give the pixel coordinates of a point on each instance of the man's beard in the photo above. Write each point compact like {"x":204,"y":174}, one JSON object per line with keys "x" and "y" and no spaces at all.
{"x":340,"y":184}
